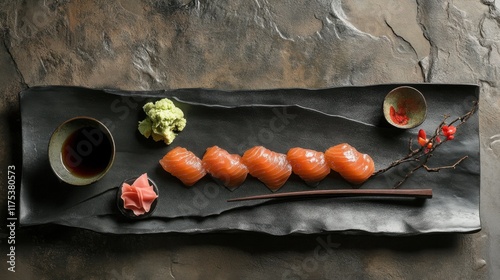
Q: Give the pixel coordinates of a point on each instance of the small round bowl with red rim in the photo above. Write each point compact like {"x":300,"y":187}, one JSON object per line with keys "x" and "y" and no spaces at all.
{"x":405,"y":107}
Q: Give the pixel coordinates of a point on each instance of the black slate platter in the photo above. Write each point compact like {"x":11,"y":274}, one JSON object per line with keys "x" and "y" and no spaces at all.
{"x":236,"y":121}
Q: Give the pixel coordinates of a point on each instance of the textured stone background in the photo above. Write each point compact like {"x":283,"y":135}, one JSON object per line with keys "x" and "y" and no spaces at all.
{"x":243,"y":44}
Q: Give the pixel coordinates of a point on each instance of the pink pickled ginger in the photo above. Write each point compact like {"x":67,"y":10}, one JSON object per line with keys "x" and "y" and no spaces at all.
{"x":139,"y":196}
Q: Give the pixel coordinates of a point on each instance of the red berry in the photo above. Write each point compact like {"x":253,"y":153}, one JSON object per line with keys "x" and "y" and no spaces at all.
{"x":422,"y":141}
{"x":421,"y":134}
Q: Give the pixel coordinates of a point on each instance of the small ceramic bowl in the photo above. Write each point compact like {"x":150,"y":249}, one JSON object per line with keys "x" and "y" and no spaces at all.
{"x":405,"y":107}
{"x":129,"y":213}
{"x":81,"y":151}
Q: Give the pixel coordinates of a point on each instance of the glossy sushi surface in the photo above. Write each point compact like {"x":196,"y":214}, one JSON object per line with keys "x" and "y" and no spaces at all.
{"x":225,"y":167}
{"x":184,"y":165}
{"x":309,"y":165}
{"x":352,"y":165}
{"x":271,"y":168}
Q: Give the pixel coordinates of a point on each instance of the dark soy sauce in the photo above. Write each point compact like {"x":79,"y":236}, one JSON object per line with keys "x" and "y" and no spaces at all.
{"x":86,"y":152}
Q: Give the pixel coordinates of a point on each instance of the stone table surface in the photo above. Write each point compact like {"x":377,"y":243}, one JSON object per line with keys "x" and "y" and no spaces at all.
{"x":242,"y":44}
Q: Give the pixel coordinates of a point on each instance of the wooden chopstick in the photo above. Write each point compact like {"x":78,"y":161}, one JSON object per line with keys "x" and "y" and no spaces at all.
{"x":415,"y":193}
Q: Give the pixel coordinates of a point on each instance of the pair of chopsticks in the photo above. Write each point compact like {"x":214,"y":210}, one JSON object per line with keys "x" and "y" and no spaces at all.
{"x":415,"y":193}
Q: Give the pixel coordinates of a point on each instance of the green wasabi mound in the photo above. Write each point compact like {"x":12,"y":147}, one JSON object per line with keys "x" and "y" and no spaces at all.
{"x":163,"y":120}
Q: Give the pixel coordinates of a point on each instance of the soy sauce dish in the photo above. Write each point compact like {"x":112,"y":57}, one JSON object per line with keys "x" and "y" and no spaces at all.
{"x":81,"y":151}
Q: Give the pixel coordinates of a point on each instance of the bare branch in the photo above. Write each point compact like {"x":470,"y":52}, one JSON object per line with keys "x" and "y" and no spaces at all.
{"x":453,"y":166}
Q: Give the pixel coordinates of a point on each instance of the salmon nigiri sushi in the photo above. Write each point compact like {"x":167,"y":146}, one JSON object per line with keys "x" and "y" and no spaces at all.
{"x":225,"y":167}
{"x":352,"y":165}
{"x":184,"y":165}
{"x":269,"y":167}
{"x":308,"y":164}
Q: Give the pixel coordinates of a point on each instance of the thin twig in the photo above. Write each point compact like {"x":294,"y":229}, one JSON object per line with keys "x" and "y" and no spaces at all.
{"x":453,"y":166}
{"x":398,"y":184}
{"x":467,"y":116}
